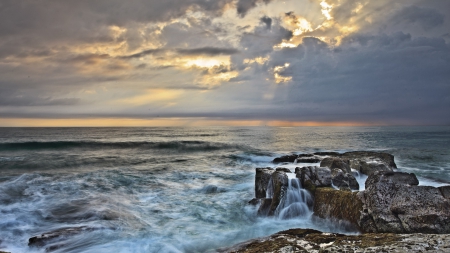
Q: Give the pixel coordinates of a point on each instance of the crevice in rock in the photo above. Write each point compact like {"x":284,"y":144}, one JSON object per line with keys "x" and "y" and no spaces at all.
{"x":400,"y":222}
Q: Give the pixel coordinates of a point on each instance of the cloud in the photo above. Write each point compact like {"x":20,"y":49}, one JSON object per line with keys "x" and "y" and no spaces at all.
{"x":243,"y":6}
{"x":426,"y":18}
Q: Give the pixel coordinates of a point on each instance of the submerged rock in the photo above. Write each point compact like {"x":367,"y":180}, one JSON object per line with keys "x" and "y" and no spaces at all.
{"x":309,"y":240}
{"x":285,"y":159}
{"x":54,"y":240}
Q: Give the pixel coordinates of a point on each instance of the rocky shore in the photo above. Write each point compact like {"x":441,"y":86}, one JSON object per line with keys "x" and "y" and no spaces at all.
{"x":393,"y":213}
{"x":308,"y":240}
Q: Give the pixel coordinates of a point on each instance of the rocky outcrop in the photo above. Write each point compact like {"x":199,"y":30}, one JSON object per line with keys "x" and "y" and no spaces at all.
{"x":262,"y":179}
{"x":366,"y":162}
{"x":339,"y":205}
{"x":279,"y":186}
{"x":343,"y":180}
{"x":313,"y":241}
{"x":270,"y":188}
{"x":336,"y":163}
{"x":312,"y":177}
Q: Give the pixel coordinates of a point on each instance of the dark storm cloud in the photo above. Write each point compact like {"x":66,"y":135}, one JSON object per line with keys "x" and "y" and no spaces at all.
{"x":426,"y":18}
{"x":243,"y":6}
{"x":268,"y":21}
{"x":368,"y":77}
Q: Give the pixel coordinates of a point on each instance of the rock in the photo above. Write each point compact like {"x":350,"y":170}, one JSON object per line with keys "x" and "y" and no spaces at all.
{"x":309,"y":160}
{"x":370,"y":168}
{"x":391,"y":177}
{"x":344,"y":180}
{"x":327,"y":153}
{"x":305,"y":155}
{"x":279,"y":185}
{"x":393,"y":202}
{"x":264,"y":208}
{"x":421,"y":209}
{"x":312,"y":177}
{"x":445,"y":190}
{"x":285,"y":159}
{"x":341,"y":205}
{"x":368,"y":162}
{"x":55,"y":239}
{"x":254,"y":202}
{"x":309,"y":240}
{"x":336,"y":163}
{"x":284,"y":170}
{"x":262,"y":179}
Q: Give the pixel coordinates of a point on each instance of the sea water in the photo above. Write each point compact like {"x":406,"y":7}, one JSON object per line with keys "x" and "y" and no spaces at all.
{"x":176,"y":189}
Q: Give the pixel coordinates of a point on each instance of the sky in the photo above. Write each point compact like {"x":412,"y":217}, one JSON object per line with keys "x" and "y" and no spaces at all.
{"x":224,"y":62}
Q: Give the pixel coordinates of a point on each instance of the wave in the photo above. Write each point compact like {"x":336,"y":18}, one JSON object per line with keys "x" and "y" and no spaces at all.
{"x":177,"y":145}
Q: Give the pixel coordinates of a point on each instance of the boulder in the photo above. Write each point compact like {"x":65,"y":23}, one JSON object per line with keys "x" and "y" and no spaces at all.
{"x":279,"y":185}
{"x":368,"y":162}
{"x":312,"y":177}
{"x":262,"y":179}
{"x":336,"y":163}
{"x":309,"y":160}
{"x":338,"y":205}
{"x":284,"y":170}
{"x":421,"y":209}
{"x":394,"y":203}
{"x":285,"y":159}
{"x":344,"y":180}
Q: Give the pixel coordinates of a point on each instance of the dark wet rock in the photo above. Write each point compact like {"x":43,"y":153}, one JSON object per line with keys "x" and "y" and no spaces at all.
{"x":279,"y":186}
{"x":336,"y":163}
{"x":384,"y":177}
{"x":327,"y":153}
{"x":309,"y":240}
{"x":285,"y":159}
{"x":284,"y":170}
{"x":305,"y":155}
{"x":262,"y":178}
{"x":55,"y":239}
{"x":393,"y":202}
{"x":210,"y":189}
{"x":445,"y":191}
{"x":338,"y":205}
{"x":370,"y":168}
{"x":264,"y":208}
{"x":309,"y":160}
{"x":254,"y":202}
{"x":312,"y":177}
{"x":344,"y":180}
{"x":368,"y":162}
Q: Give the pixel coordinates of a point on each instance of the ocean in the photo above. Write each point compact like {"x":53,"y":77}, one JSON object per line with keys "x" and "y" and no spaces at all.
{"x":175,"y":189}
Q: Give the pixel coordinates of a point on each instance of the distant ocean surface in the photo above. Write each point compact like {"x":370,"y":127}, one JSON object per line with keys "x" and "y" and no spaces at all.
{"x":173,"y":189}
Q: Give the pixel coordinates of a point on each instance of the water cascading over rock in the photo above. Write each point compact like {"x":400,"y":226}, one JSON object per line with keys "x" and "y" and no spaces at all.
{"x":284,"y":196}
